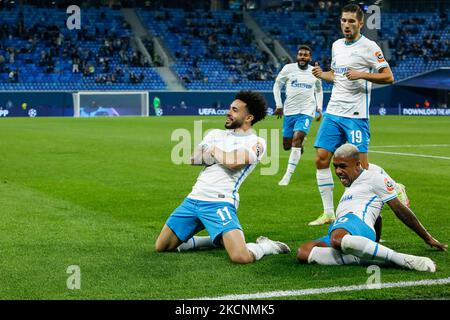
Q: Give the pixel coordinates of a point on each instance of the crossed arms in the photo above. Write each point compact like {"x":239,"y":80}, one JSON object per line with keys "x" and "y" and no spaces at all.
{"x":233,"y":160}
{"x":384,"y":75}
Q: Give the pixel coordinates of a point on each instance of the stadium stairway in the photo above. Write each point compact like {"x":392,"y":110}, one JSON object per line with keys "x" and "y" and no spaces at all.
{"x":171,"y":80}
{"x":276,"y":49}
{"x":261,"y":38}
{"x":211,"y":62}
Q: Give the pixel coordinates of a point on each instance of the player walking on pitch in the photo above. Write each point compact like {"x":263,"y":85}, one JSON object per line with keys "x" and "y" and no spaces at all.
{"x":351,"y":239}
{"x":356,"y":63}
{"x":304,"y":96}
{"x":229,"y":156}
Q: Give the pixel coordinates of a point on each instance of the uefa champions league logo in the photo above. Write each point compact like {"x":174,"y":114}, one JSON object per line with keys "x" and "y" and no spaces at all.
{"x":32,"y":113}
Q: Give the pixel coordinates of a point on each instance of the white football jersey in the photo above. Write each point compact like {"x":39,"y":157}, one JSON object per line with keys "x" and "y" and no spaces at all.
{"x":218,"y":183}
{"x":366,"y":196}
{"x":301,"y":87}
{"x":351,"y":98}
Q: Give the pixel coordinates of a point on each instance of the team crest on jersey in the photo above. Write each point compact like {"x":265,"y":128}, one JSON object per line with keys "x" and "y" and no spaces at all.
{"x":389,"y":184}
{"x":379,"y":56}
{"x":258,"y":149}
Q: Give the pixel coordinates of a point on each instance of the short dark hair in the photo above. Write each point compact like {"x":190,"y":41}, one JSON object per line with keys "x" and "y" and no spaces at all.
{"x":354,"y":8}
{"x":255,"y":103}
{"x":305,"y":47}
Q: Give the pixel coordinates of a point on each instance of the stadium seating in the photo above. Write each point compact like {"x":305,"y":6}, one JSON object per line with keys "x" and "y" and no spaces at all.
{"x":423,"y":24}
{"x":292,"y":28}
{"x":189,"y":37}
{"x":212,"y":50}
{"x":33,"y":76}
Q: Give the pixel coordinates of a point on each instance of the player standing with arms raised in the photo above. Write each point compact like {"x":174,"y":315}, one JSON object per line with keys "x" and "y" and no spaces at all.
{"x":356,"y":63}
{"x":304,"y":96}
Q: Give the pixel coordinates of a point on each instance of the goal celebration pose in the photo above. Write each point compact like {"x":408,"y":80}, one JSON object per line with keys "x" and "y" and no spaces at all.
{"x":304,"y":96}
{"x":229,"y":156}
{"x":351,"y":239}
{"x":356,"y":63}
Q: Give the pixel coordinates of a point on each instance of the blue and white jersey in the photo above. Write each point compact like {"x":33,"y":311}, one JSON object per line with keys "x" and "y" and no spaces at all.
{"x":303,"y":91}
{"x":351,"y":98}
{"x":218,"y":183}
{"x":366,"y":196}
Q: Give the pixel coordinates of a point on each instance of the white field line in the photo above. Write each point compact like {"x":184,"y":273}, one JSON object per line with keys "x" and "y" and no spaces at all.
{"x":412,"y":155}
{"x":313,"y":291}
{"x":413,"y":146}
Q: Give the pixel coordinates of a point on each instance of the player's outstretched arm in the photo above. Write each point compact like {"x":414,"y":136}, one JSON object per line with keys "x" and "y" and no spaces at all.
{"x":409,"y":218}
{"x":233,"y":160}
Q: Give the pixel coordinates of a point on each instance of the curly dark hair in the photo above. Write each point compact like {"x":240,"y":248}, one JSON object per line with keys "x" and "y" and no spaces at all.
{"x":255,"y":103}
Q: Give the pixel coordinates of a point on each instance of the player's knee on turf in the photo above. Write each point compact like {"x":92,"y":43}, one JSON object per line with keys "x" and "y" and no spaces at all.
{"x":303,"y":252}
{"x":336,"y":238}
{"x":160,"y":246}
{"x":241,"y":257}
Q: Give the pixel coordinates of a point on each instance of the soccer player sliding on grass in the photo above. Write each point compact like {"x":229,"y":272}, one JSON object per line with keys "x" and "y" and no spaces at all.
{"x":351,"y":239}
{"x":229,"y":156}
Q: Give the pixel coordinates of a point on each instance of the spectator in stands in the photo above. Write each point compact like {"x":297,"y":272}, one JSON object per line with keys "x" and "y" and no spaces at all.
{"x":12,"y":55}
{"x":75,"y":65}
{"x":13,"y":76}
{"x":2,"y":63}
{"x":133,"y":77}
{"x":186,"y":79}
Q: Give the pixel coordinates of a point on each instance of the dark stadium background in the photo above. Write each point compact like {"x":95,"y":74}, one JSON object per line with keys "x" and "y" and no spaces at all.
{"x":191,"y":54}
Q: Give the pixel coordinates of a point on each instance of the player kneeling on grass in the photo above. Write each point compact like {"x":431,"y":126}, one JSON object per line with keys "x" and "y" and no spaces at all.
{"x":351,"y":239}
{"x":229,"y":156}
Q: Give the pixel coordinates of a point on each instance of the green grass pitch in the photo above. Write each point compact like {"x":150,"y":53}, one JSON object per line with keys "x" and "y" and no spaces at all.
{"x":96,"y":192}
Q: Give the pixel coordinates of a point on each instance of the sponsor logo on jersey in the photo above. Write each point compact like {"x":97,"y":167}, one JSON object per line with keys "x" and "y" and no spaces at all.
{"x":340,"y":70}
{"x":379,"y":56}
{"x":297,"y":84}
{"x":258,"y":150}
{"x":389,"y":185}
{"x":346,"y":198}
